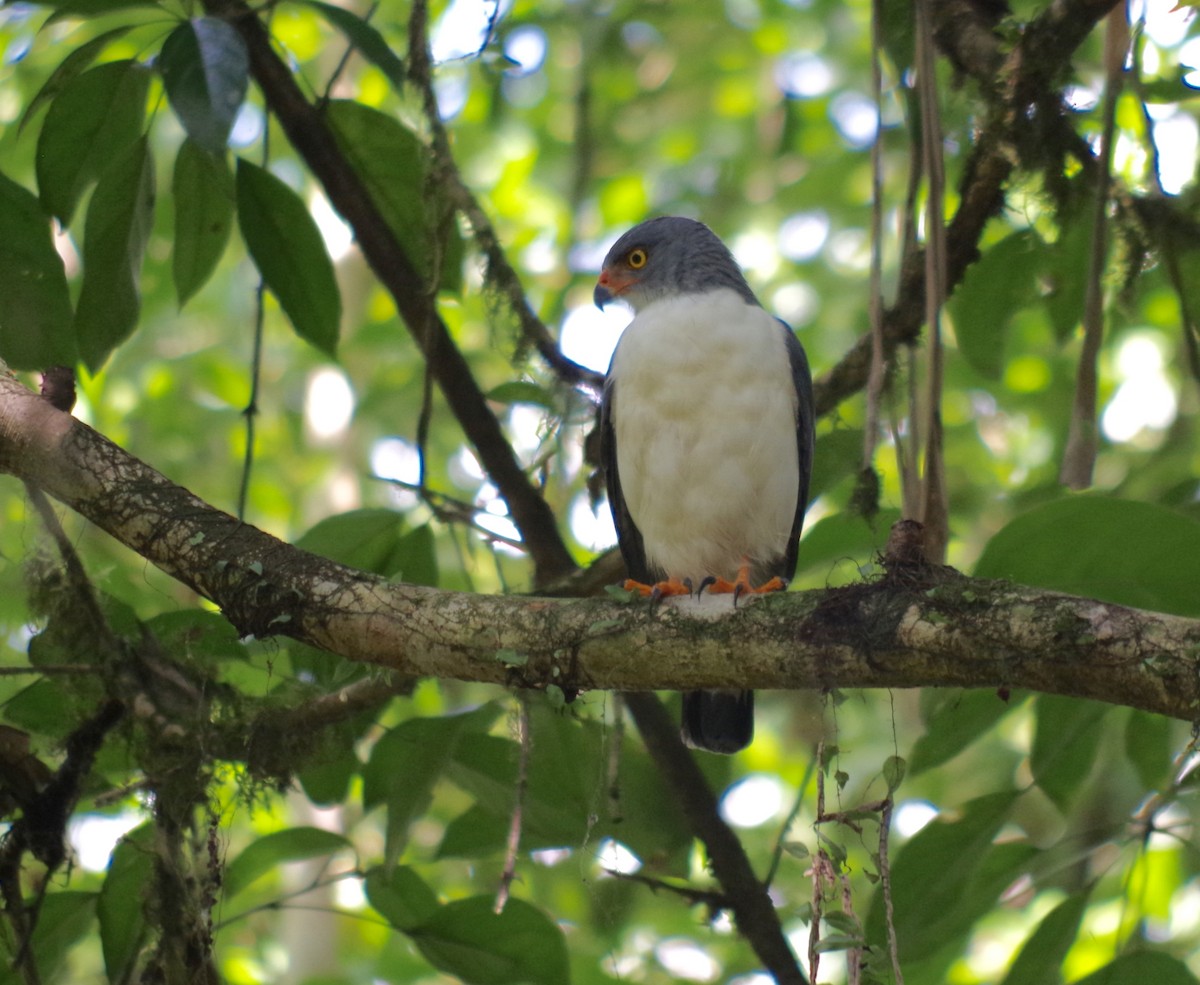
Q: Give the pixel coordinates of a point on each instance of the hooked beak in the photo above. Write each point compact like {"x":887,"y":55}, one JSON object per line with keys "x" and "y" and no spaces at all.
{"x":611,"y":285}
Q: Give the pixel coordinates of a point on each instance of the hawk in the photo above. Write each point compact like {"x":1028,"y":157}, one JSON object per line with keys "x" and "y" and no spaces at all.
{"x":706,"y":436}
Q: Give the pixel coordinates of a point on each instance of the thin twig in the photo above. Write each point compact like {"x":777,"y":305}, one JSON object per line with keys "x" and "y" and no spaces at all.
{"x":933,"y":508}
{"x":1079,"y":455}
{"x":450,"y":510}
{"x":885,"y":886}
{"x":516,"y":821}
{"x":713,"y":900}
{"x":499,"y":273}
{"x":876,"y":376}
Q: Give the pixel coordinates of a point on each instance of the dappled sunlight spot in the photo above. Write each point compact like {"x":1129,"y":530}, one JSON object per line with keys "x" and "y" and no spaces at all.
{"x":1178,"y":140}
{"x":592,"y":528}
{"x":550,"y":857}
{"x":1172,"y":826}
{"x":462,"y":30}
{"x":802,"y":234}
{"x":1081,"y":98}
{"x":451,"y":90}
{"x":855,"y":117}
{"x":803,"y":74}
{"x":540,"y":256}
{"x":328,"y":404}
{"x":464,"y":469}
{"x":1166,"y":20}
{"x":756,"y":978}
{"x":397,"y":459}
{"x":589,"y":335}
{"x":796,"y":303}
{"x":686,"y":960}
{"x":756,"y":254}
{"x":336,"y":233}
{"x":247,"y":126}
{"x":850,"y":251}
{"x":994,"y":945}
{"x":94,"y":836}
{"x":753,"y":801}
{"x":499,"y":523}
{"x":350,"y":894}
{"x":615,"y":857}
{"x":526,"y":48}
{"x":911,"y":816}
{"x":1145,"y":400}
{"x":1185,"y":911}
{"x":1027,"y":374}
{"x":526,"y":426}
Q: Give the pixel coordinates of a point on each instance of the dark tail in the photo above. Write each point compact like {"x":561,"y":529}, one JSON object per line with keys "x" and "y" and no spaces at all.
{"x":719,"y":721}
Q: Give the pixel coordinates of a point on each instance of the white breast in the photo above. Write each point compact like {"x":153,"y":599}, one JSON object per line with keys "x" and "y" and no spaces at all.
{"x":704,"y":416}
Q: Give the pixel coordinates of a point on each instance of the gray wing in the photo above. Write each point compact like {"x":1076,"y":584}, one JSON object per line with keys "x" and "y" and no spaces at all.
{"x":805,"y":439}
{"x":629,"y":538}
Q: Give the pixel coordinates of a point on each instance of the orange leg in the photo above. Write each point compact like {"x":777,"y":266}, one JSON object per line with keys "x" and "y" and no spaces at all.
{"x":741,"y":584}
{"x":672,"y":586}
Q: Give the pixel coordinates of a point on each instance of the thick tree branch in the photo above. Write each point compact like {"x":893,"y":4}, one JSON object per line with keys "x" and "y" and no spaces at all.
{"x":313,"y":141}
{"x":919,"y":626}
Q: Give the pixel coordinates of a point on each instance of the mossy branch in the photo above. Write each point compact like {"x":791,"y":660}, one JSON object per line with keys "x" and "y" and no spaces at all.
{"x":918,"y":626}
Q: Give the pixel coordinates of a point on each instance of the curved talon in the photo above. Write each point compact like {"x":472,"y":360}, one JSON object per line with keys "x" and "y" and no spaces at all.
{"x":710,"y":580}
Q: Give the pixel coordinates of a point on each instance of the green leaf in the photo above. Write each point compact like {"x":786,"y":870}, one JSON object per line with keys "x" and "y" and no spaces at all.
{"x":64,"y":919}
{"x":287,"y":248}
{"x":837,"y":455}
{"x":1140,"y":969}
{"x":365,"y":38}
{"x":401,"y":896}
{"x":35,"y":304}
{"x":203,"y":194}
{"x":1120,"y":551}
{"x":270,"y":851}
{"x":1066,"y":258}
{"x":69,"y":68}
{"x":414,"y":559}
{"x":407,"y":763}
{"x":935,"y":901}
{"x":836,"y":546}
{"x":205,"y":70}
{"x":995,"y":287}
{"x":328,"y":782}
{"x":893,"y":771}
{"x":365,"y":539}
{"x":957,"y":720}
{"x":92,"y":122}
{"x":522,"y":392}
{"x":196,"y":634}
{"x":1149,"y":744}
{"x":1065,"y":744}
{"x":120,"y":907}
{"x":1040,"y":959}
{"x":519,"y":945}
{"x":92,"y":8}
{"x":119,"y":219}
{"x":476,"y":833}
{"x":393,"y":164}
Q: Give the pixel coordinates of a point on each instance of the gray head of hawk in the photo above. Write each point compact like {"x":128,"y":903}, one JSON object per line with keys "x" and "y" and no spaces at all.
{"x":706,"y":437}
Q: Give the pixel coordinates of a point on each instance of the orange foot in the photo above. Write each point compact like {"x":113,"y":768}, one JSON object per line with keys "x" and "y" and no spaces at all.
{"x":741,"y":584}
{"x":659,"y":590}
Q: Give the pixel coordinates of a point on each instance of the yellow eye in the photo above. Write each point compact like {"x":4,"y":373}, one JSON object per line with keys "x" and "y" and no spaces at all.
{"x":636,"y":258}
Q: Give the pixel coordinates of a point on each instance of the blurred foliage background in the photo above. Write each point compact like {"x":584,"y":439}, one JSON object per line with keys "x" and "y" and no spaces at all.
{"x":1034,"y":838}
